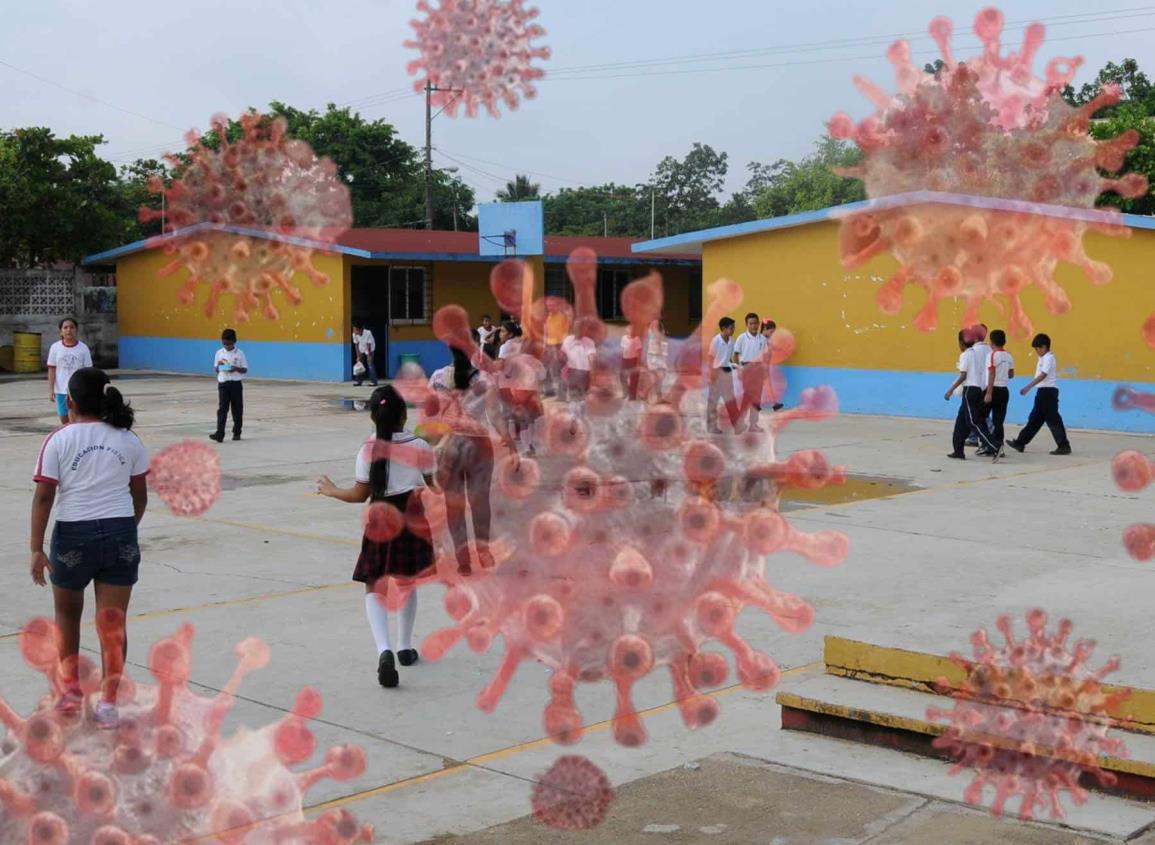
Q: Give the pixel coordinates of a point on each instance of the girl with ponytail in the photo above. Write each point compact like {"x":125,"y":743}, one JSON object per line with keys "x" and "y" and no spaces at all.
{"x":93,"y":471}
{"x":392,"y":469}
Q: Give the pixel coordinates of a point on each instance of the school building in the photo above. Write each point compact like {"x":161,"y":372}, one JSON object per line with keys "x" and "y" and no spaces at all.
{"x":393,"y":280}
{"x":791,"y":271}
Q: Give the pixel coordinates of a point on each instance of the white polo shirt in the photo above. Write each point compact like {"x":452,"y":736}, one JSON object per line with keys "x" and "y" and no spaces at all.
{"x":233,"y":359}
{"x":1001,"y":363}
{"x":750,"y":348}
{"x":978,"y":365}
{"x":365,"y":341}
{"x":91,"y":464}
{"x":579,"y":352}
{"x":409,"y":462}
{"x":631,"y":347}
{"x":721,"y":351}
{"x":67,"y":360}
{"x":486,"y":335}
{"x":1047,"y":365}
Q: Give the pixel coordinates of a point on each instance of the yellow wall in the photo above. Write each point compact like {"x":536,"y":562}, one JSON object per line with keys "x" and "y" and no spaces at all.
{"x":794,"y":276}
{"x":147,"y":305}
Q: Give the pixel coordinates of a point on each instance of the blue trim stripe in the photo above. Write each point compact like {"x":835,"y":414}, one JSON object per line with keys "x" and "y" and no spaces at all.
{"x":692,"y":241}
{"x":1084,"y":403}
{"x":267,"y":359}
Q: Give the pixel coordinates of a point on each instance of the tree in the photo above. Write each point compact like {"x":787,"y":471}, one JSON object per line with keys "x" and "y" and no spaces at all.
{"x":58,"y":200}
{"x":787,"y":187}
{"x":1127,"y":116}
{"x":687,"y":189}
{"x":519,"y":189}
{"x":616,"y":210}
{"x":1137,"y":88}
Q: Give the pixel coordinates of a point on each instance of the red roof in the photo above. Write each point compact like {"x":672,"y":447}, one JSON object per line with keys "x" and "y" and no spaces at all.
{"x":438,"y":242}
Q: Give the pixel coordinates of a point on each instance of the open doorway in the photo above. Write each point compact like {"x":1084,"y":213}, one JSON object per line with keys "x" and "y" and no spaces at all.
{"x":370,"y":300}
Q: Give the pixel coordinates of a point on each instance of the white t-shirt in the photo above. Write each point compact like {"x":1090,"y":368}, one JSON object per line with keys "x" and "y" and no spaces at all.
{"x":67,"y":360}
{"x":365,"y":342}
{"x":510,"y":348}
{"x":408,"y":464}
{"x":978,"y":366}
{"x":486,"y":334}
{"x":579,"y":352}
{"x":1002,"y":363}
{"x":1047,"y":365}
{"x":91,"y":463}
{"x":657,"y":350}
{"x":631,"y":347}
{"x":721,"y":351}
{"x":235,"y":358}
{"x":750,"y":348}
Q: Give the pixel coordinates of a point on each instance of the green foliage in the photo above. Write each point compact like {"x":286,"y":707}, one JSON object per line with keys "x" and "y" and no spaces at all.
{"x":58,"y":199}
{"x":521,"y":188}
{"x":687,"y":190}
{"x":1139,"y":160}
{"x":617,"y":210}
{"x":787,"y":187}
{"x":1137,"y":88}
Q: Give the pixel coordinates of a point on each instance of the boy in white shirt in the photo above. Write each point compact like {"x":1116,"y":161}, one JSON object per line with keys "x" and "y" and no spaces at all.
{"x":721,"y":376}
{"x":1002,"y":370}
{"x":487,"y":333}
{"x":364,"y":351}
{"x":750,"y":357}
{"x":579,"y":351}
{"x":65,"y":357}
{"x":980,"y":381}
{"x":230,"y":365}
{"x":1046,"y":408}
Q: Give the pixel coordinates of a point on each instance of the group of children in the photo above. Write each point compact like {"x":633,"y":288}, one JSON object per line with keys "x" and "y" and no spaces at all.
{"x":750,"y":356}
{"x":984,"y":374}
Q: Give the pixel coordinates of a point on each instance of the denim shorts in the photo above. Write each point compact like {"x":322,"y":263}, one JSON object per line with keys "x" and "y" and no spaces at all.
{"x":104,"y":550}
{"x":62,"y":404}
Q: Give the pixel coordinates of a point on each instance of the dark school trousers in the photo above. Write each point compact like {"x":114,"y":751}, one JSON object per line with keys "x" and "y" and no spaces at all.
{"x":972,"y":416}
{"x":230,"y":395}
{"x":1000,"y":397}
{"x":1046,"y":410}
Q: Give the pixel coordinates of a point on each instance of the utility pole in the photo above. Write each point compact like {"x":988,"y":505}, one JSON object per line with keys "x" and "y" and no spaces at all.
{"x":428,"y":155}
{"x":653,"y":206}
{"x":605,"y":224}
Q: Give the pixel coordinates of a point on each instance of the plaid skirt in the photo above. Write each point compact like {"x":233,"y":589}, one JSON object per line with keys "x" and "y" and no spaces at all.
{"x":408,"y":554}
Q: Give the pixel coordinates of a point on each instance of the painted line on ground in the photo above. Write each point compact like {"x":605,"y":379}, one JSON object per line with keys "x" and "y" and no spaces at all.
{"x":481,"y":760}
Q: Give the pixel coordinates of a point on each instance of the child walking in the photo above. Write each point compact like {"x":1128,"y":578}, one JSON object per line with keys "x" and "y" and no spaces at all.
{"x":1046,"y":408}
{"x":998,"y":395}
{"x":392,"y":467}
{"x":230,"y":365}
{"x":750,"y":357}
{"x":65,"y":357}
{"x":721,"y":376}
{"x":94,"y":472}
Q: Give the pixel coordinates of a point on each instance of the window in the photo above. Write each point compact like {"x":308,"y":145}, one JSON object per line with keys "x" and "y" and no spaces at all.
{"x":611,"y":282}
{"x":695,"y":297}
{"x":409,"y":295}
{"x":557,"y":282}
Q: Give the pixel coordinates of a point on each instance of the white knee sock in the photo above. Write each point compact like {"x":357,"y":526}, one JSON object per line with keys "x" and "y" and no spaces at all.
{"x":378,"y":621}
{"x":405,"y":622}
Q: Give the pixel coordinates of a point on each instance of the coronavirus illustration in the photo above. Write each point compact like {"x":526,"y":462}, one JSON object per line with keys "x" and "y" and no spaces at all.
{"x":628,"y":537}
{"x":246,"y":215}
{"x":983,"y":127}
{"x":1132,"y":472}
{"x":167,"y":772}
{"x":187,"y":477}
{"x":1031,"y":718}
{"x":477,"y":53}
{"x":574,"y":794}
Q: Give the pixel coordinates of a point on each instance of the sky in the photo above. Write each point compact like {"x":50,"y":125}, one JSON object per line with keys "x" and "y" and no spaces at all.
{"x":146,"y":72}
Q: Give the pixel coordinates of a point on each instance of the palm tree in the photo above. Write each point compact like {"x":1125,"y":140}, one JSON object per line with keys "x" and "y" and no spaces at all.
{"x":519,"y":189}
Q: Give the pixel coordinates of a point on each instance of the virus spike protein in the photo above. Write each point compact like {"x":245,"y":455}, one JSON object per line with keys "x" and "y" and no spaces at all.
{"x":263,"y":180}
{"x":477,"y":53}
{"x":1031,"y":718}
{"x":634,"y":536}
{"x":167,"y":774}
{"x":984,"y":127}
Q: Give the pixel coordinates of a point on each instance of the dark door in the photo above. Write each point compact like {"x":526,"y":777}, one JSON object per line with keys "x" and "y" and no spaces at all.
{"x":370,"y":295}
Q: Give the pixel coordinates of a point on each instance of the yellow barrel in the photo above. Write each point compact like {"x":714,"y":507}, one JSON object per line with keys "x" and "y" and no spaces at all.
{"x":26,"y":352}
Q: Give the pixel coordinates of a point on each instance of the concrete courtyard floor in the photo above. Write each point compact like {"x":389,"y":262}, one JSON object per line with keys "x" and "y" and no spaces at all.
{"x":956,"y":545}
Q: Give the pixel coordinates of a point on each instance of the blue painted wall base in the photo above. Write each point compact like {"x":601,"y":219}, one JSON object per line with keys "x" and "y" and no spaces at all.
{"x":267,"y":359}
{"x":1084,"y":403}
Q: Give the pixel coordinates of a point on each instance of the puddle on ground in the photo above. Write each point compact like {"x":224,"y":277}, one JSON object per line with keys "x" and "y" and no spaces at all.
{"x":856,"y":488}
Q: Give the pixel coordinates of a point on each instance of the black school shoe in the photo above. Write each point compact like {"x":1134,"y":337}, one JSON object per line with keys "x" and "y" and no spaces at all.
{"x":408,"y":656}
{"x":1014,"y":444}
{"x":1062,"y":450}
{"x":237,"y":436}
{"x":958,"y":456}
{"x":220,"y":438}
{"x":386,"y":670}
